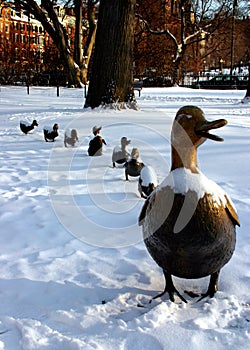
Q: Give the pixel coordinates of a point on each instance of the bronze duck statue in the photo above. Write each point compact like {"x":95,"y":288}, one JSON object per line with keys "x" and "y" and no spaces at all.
{"x":27,"y":127}
{"x":134,"y":165}
{"x":70,"y":137}
{"x":189,"y":222}
{"x":147,"y":181}
{"x":50,"y":133}
{"x":120,"y":154}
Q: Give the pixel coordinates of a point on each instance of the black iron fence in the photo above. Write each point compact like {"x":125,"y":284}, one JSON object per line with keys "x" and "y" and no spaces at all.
{"x":220,"y":81}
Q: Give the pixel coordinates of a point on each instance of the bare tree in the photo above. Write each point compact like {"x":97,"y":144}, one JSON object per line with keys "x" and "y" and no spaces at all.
{"x":198,"y":20}
{"x":74,"y":63}
{"x":112,"y":70}
{"x":82,"y":55}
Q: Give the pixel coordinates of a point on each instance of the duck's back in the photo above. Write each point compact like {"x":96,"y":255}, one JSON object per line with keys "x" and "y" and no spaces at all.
{"x":48,"y":129}
{"x":25,"y":126}
{"x":134,"y":167}
{"x":119,"y":155}
{"x":188,"y":235}
{"x":148,"y":176}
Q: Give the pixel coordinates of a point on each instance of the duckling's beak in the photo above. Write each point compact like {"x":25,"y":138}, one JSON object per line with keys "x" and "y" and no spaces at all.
{"x":203,"y":129}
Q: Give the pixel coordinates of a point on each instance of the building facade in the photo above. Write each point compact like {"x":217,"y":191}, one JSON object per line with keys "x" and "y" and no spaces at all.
{"x":26,"y":49}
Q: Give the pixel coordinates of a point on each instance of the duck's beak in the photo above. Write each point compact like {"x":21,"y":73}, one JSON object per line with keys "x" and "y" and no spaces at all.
{"x":203,"y":129}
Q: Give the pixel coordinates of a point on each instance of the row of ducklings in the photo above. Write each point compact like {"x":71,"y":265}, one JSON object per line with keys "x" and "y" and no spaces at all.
{"x":132,"y":163}
{"x":134,"y":167}
{"x":50,"y":133}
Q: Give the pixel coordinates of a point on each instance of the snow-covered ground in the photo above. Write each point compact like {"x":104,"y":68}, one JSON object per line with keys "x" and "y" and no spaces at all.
{"x":74,"y":268}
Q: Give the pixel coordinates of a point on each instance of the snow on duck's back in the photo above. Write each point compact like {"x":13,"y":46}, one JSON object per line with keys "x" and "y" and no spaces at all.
{"x":50,"y":133}
{"x":147,"y":181}
{"x":70,"y":137}
{"x":26,"y":126}
{"x":120,"y":154}
{"x":134,"y":165}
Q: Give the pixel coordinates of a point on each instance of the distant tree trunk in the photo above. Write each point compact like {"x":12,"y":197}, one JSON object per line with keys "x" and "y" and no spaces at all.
{"x":112,"y":71}
{"x":90,"y":39}
{"x":82,"y":57}
{"x":248,"y":89}
{"x":248,"y":85}
{"x":78,"y":31}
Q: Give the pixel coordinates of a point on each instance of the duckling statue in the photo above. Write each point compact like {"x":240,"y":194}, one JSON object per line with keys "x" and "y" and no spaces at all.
{"x":147,"y":181}
{"x":70,"y":137}
{"x":189,"y":222}
{"x":134,"y":165}
{"x":50,"y":133}
{"x":96,"y":142}
{"x":120,"y":154}
{"x":26,"y":127}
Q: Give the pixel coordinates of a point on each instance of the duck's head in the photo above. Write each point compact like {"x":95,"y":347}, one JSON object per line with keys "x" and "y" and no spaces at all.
{"x":191,"y":129}
{"x":135,"y":153}
{"x":125,"y":142}
{"x":74,"y":133}
{"x":55,"y":127}
{"x":35,"y":123}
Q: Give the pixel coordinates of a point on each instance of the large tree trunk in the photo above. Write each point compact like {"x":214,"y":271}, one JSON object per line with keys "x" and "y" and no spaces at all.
{"x":112,"y":72}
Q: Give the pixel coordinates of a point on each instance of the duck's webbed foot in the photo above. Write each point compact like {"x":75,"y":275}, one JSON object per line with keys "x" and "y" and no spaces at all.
{"x":170,"y":289}
{"x":213,"y":286}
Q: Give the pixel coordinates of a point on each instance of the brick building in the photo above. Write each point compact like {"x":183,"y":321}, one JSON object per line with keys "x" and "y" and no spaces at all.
{"x":25,"y":48}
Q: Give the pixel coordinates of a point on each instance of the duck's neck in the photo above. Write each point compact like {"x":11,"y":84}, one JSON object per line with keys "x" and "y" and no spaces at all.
{"x":185,"y":158}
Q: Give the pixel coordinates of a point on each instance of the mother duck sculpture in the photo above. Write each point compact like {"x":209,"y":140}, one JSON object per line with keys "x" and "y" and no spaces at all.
{"x":189,"y":221}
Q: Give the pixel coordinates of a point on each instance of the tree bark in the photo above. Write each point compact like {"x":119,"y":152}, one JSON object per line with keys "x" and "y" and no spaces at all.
{"x":78,"y":32}
{"x":112,"y":71}
{"x":89,"y":46}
